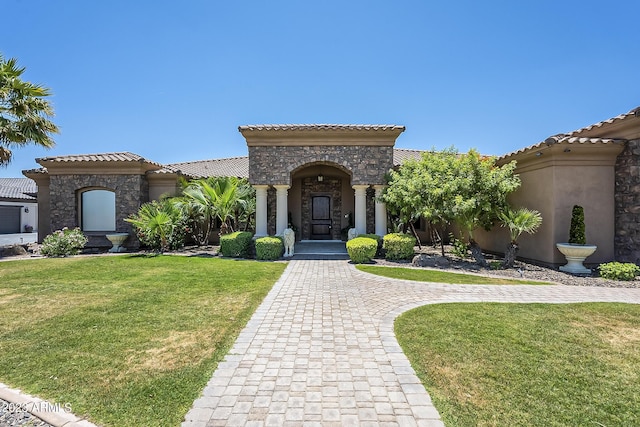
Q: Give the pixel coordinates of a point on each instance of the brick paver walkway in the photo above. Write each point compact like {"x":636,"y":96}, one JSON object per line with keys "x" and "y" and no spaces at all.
{"x":320,"y":350}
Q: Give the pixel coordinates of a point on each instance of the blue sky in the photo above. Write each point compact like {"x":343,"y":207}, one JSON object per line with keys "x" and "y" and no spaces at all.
{"x":173,"y":80}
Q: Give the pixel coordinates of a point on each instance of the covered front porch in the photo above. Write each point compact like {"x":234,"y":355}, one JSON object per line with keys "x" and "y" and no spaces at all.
{"x":319,"y":179}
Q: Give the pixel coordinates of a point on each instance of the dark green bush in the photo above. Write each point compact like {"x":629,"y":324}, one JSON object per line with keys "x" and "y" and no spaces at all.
{"x":269,"y":248}
{"x":398,"y":246}
{"x":619,"y":270}
{"x":236,"y":244}
{"x":576,"y":231}
{"x":362,"y":249}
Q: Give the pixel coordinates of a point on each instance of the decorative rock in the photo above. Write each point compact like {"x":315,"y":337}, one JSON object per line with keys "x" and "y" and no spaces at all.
{"x":422,"y":260}
{"x":13,"y":250}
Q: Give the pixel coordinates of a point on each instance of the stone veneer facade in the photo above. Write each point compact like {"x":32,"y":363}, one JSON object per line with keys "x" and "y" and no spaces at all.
{"x":275,"y":165}
{"x":627,"y":200}
{"x":130,"y":192}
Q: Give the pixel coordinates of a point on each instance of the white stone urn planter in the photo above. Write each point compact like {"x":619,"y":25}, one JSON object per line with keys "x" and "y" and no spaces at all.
{"x":575,"y":255}
{"x":117,"y":239}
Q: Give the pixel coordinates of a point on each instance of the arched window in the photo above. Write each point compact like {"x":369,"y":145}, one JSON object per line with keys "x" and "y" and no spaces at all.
{"x":98,"y":210}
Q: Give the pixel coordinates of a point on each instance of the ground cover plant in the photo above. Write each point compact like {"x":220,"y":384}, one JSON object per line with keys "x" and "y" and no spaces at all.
{"x":126,"y":340}
{"x":527,"y":364}
{"x":438,"y":276}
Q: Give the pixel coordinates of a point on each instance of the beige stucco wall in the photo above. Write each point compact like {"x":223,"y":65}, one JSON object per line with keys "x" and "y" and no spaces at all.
{"x":561,"y":176}
{"x":160,"y":185}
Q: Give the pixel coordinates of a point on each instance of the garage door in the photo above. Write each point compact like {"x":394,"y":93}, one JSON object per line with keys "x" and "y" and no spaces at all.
{"x":10,"y":219}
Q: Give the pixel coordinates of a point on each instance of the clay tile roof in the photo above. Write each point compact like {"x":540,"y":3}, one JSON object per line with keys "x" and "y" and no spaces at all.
{"x":633,"y":113}
{"x":400,"y":155}
{"x":234,"y":166}
{"x":312,"y":127}
{"x":562,"y":139}
{"x":17,"y":188}
{"x":100,"y":157}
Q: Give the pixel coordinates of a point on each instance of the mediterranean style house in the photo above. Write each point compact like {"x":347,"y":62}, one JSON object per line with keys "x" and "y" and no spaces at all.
{"x":318,"y":177}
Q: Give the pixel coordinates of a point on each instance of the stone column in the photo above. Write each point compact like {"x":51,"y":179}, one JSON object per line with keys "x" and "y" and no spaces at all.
{"x":282,"y":212}
{"x":261,"y":210}
{"x":381,"y":213}
{"x":360,"y":219}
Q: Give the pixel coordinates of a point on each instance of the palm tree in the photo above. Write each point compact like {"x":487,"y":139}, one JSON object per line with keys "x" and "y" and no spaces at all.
{"x":24,"y":113}
{"x":159,"y":224}
{"x":229,"y":199}
{"x":520,"y":221}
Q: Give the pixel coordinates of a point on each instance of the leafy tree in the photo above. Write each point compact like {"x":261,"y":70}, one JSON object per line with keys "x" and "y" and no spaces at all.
{"x":446,"y":187}
{"x":24,"y":112}
{"x":421,"y":188}
{"x":518,"y":221}
{"x":481,"y":190}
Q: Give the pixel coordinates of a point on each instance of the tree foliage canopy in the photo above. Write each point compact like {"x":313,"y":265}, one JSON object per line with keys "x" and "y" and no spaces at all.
{"x":24,"y":112}
{"x":446,"y":186}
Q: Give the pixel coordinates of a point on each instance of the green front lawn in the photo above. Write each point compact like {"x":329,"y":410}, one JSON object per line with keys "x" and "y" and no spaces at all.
{"x":126,"y":340}
{"x":527,"y":364}
{"x":436,"y":276}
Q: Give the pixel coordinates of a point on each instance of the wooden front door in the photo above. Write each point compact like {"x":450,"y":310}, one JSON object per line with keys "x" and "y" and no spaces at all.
{"x":321,"y":217}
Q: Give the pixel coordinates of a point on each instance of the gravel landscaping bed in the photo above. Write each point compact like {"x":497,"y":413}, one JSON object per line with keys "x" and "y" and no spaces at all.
{"x":14,"y":415}
{"x":520,"y":270}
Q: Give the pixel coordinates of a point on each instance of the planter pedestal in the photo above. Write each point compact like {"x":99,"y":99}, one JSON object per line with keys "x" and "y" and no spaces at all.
{"x":575,"y":255}
{"x":117,"y":239}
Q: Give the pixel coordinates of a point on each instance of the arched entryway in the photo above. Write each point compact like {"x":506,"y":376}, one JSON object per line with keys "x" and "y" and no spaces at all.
{"x":321,"y":201}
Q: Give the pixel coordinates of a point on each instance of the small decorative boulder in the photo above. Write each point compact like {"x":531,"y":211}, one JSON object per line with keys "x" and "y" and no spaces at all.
{"x":422,"y":260}
{"x":289,"y":239}
{"x":442,"y":261}
{"x":352,"y":233}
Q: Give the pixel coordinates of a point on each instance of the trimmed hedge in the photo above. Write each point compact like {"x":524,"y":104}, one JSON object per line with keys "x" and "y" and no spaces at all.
{"x":619,"y":270}
{"x":269,"y":248}
{"x":362,"y":249}
{"x":398,"y":246}
{"x":377,"y":238}
{"x":236,"y":244}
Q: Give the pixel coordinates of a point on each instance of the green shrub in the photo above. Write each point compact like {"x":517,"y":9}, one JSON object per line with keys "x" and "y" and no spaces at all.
{"x":458,"y":247}
{"x":619,"y":270}
{"x":236,"y":244}
{"x":371,"y":236}
{"x":362,"y":249}
{"x":398,"y":246}
{"x":576,"y":230}
{"x":377,"y":238}
{"x":160,"y":225}
{"x":269,"y":248}
{"x":63,"y":243}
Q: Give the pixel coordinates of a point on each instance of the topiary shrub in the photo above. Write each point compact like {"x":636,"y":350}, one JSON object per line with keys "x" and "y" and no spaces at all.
{"x":619,"y":270}
{"x":362,"y":249}
{"x":377,"y":238}
{"x":398,"y":246}
{"x":236,"y":244}
{"x":269,"y":248}
{"x":576,"y":231}
{"x":63,"y":242}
